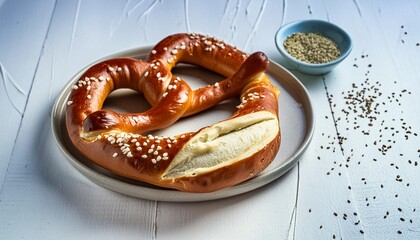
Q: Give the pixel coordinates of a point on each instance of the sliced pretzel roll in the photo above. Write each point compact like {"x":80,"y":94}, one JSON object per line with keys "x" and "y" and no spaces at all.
{"x":215,"y":157}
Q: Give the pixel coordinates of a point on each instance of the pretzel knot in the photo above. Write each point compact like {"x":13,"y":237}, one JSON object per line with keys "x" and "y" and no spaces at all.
{"x":214,"y":157}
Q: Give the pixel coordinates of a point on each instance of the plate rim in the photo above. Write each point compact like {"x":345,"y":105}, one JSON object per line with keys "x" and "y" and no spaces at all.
{"x":178,"y":196}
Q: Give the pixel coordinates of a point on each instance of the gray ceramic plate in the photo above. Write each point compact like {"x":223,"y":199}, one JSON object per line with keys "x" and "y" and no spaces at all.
{"x":296,"y":122}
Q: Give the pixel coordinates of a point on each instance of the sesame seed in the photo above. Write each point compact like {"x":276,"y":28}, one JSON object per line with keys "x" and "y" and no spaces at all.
{"x":174,"y":51}
{"x":89,"y":96}
{"x":153,"y":51}
{"x":115,"y":155}
{"x":139,"y":149}
{"x":154,"y":161}
{"x":75,"y":87}
{"x":111,"y":69}
{"x":207,"y":42}
{"x":144,"y":156}
{"x":165,"y":154}
{"x":129,"y":154}
{"x":119,"y":69}
{"x":146,"y":74}
{"x":125,"y":150}
{"x":155,"y":153}
{"x":88,"y":88}
{"x":101,"y":78}
{"x":69,"y":103}
{"x":150,"y":150}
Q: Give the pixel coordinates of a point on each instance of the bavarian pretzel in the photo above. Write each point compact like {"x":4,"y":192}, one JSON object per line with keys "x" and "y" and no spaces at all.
{"x":214,"y":157}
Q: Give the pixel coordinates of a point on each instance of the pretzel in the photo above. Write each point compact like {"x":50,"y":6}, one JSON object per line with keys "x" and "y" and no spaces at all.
{"x":214,"y":157}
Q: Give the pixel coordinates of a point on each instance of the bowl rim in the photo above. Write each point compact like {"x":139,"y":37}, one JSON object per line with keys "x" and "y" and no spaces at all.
{"x":336,"y":28}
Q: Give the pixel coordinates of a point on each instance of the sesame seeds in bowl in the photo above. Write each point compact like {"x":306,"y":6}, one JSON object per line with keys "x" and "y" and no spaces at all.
{"x":313,"y":47}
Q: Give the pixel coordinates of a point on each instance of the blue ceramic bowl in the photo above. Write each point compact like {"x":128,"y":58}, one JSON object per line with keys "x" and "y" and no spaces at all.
{"x":327,"y":29}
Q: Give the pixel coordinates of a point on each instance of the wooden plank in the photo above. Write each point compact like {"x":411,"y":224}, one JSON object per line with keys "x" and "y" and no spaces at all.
{"x":18,"y":63}
{"x":39,"y":181}
{"x":364,"y":194}
{"x":266,"y":213}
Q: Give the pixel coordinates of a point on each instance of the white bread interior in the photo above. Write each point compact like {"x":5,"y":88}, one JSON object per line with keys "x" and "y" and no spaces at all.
{"x":223,"y":144}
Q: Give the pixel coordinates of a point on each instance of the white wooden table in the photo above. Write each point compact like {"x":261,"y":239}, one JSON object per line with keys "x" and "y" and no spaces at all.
{"x":358,"y":179}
